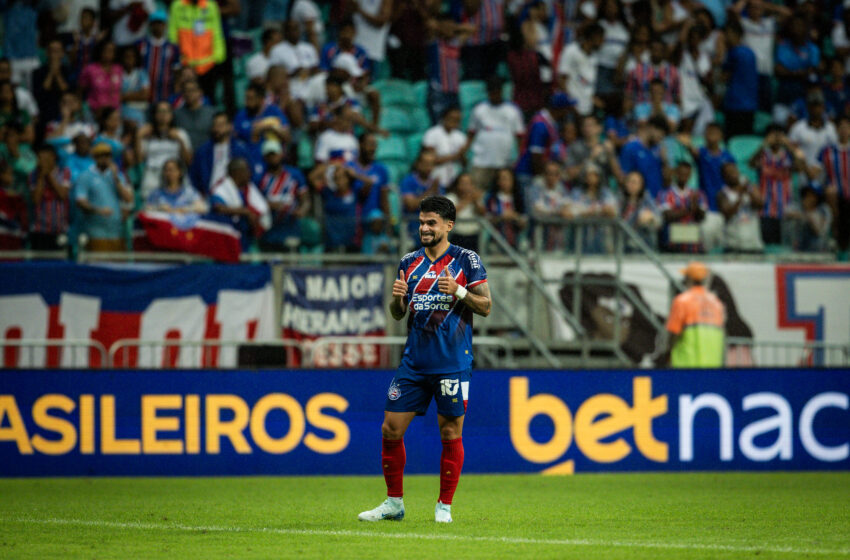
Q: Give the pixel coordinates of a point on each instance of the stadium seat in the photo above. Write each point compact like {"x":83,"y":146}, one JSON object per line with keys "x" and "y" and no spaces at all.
{"x":414,"y":144}
{"x":397,"y":121}
{"x":743,"y":148}
{"x":761,"y":122}
{"x":508,"y":91}
{"x":392,"y":148}
{"x":419,"y":120}
{"x":305,"y":153}
{"x":397,"y":170}
{"x":396,"y":93}
{"x":472,"y":93}
{"x":420,"y":93}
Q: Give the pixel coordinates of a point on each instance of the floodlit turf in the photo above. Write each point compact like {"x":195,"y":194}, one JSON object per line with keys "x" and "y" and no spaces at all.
{"x":704,"y":515}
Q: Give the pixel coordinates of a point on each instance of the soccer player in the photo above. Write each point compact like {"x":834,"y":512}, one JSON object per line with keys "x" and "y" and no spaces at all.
{"x":441,"y":285}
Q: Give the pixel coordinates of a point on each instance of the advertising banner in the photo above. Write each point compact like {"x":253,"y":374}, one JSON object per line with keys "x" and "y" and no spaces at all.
{"x":764,"y":301}
{"x":103,"y":422}
{"x":319,"y":302}
{"x":57,"y":300}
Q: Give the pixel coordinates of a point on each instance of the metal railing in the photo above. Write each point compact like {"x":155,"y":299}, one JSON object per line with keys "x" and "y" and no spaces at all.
{"x":75,"y":353}
{"x":747,"y":352}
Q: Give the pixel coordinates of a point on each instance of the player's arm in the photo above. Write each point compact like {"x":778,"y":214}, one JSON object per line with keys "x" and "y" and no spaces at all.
{"x":476,"y":298}
{"x":397,"y":306}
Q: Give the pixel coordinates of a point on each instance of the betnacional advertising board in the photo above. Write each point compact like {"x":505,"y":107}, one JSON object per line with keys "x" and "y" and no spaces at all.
{"x":207,"y":422}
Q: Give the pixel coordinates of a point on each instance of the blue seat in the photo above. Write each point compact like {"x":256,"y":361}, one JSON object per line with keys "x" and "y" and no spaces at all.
{"x":742,"y":149}
{"x":396,"y":93}
{"x":471,"y":93}
{"x":419,"y":120}
{"x":414,"y":144}
{"x":305,"y":153}
{"x":392,"y":148}
{"x":420,"y":93}
{"x":396,"y":120}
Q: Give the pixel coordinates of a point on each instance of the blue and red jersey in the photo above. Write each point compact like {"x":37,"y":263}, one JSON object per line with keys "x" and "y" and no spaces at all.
{"x":489,"y":21}
{"x":51,"y":214}
{"x":444,"y":66}
{"x":161,"y":60}
{"x":836,"y":164}
{"x":642,"y":75}
{"x":380,"y":176}
{"x":439,"y":326}
{"x":679,"y":199}
{"x":331,"y":50}
{"x":542,"y":138}
{"x":775,"y":182}
{"x":284,"y":187}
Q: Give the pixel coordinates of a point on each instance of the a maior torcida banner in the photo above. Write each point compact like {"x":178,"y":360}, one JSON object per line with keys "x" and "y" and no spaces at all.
{"x":321,"y":302}
{"x":328,"y":422}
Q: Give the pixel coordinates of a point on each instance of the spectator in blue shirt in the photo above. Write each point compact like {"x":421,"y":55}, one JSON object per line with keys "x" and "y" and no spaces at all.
{"x":657,"y":106}
{"x":415,"y":186}
{"x":371,"y":195}
{"x":710,"y":161}
{"x":257,"y":118}
{"x":209,"y":165}
{"x":797,"y":60}
{"x":81,"y":159}
{"x":643,"y":154}
{"x":344,"y":44}
{"x":335,"y":183}
{"x":100,"y":194}
{"x":741,"y":75}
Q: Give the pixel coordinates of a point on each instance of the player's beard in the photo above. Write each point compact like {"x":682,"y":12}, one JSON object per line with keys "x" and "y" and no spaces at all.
{"x":435,"y":240}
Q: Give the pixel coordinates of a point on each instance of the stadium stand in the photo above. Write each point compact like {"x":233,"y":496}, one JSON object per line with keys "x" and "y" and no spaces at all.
{"x":57,"y":82}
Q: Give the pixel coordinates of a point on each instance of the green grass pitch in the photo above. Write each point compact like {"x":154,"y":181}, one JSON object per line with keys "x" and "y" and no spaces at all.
{"x":693,"y":515}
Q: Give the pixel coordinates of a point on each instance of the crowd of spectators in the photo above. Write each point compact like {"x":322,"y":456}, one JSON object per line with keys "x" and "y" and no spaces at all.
{"x":707,"y":125}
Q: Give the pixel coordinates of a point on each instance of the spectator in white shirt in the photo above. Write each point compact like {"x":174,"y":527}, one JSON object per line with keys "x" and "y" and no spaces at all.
{"x":616,"y":40}
{"x":760,"y":21}
{"x":494,"y":128}
{"x":449,"y":145}
{"x":694,"y":73}
{"x":577,"y":68}
{"x":372,"y":26}
{"x":841,"y":36}
{"x":258,"y":65}
{"x":337,"y":143}
{"x":130,"y":19}
{"x":814,"y":133}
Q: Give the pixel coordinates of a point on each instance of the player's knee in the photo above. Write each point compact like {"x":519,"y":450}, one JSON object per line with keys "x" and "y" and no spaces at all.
{"x":391,"y":431}
{"x":449,"y":431}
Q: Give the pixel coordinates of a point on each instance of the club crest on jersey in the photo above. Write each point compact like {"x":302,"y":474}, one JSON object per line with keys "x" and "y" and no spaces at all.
{"x":394,"y":391}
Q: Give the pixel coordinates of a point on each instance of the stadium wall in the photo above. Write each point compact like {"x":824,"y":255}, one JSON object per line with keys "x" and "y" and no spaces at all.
{"x":210,"y":422}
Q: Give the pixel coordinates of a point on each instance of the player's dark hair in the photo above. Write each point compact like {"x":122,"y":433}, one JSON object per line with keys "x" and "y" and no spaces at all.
{"x":439,"y":205}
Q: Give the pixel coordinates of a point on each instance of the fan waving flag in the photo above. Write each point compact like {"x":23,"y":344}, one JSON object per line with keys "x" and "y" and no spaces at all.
{"x":190,"y":233}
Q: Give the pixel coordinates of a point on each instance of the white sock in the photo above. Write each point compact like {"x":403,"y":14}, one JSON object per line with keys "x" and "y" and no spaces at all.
{"x":395,"y":501}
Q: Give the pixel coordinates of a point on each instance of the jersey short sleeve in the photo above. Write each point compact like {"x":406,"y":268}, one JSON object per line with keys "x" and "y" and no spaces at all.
{"x":473,"y":270}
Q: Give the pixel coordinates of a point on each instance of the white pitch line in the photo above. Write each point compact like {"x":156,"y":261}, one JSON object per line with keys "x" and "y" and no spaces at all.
{"x":138,"y":525}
